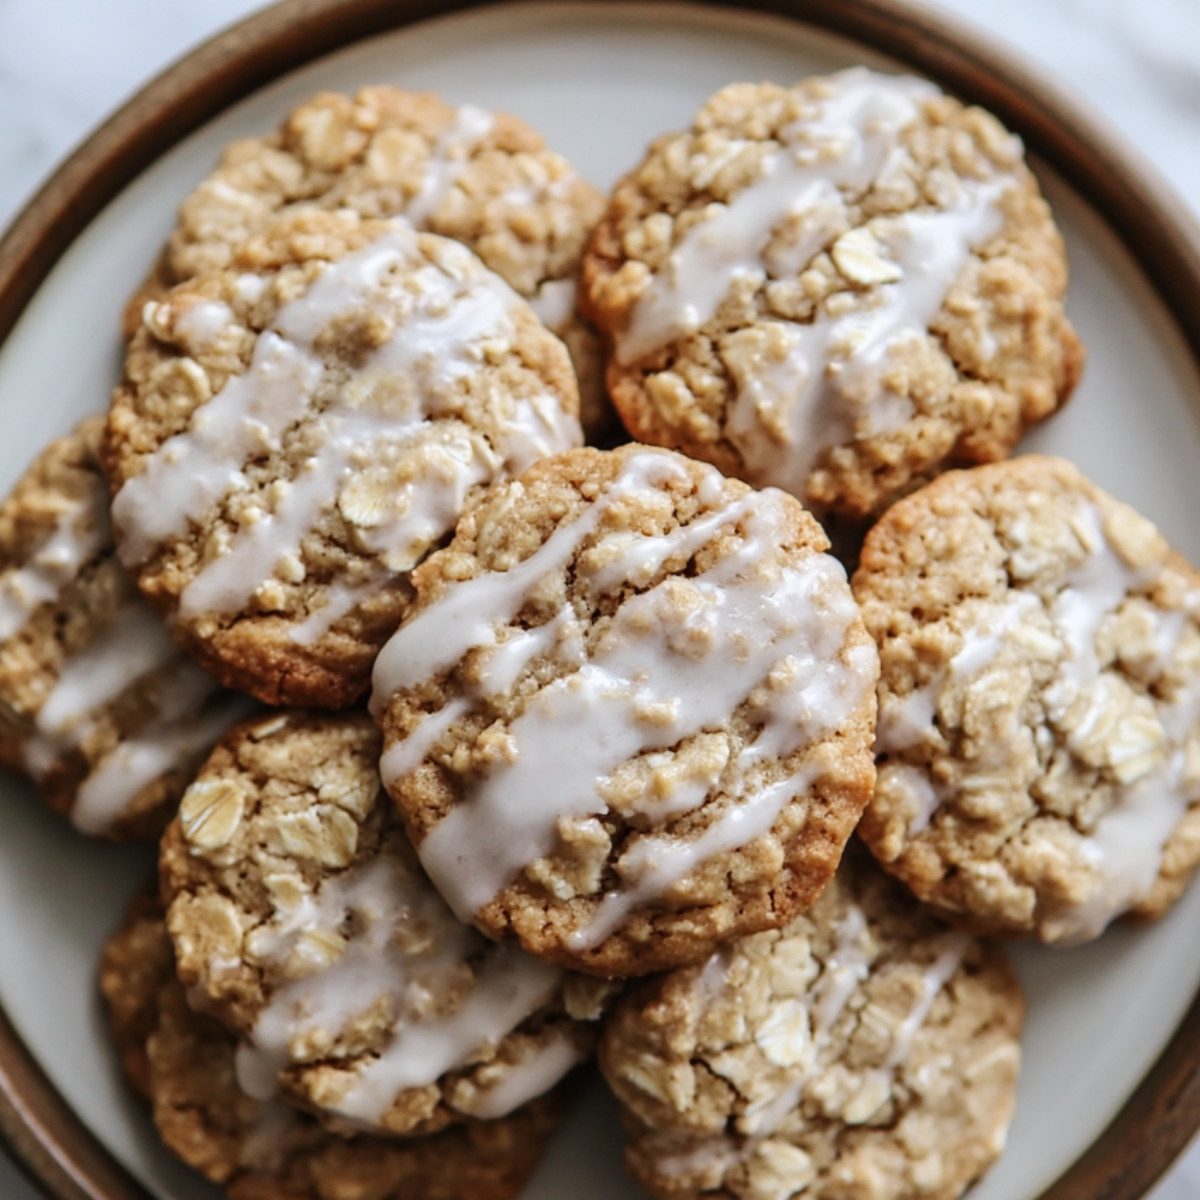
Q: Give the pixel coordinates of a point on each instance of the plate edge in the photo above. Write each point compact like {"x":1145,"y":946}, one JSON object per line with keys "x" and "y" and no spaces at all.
{"x":47,"y":1139}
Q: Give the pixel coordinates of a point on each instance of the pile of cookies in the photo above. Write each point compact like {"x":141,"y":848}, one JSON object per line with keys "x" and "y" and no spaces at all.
{"x":626,"y":710}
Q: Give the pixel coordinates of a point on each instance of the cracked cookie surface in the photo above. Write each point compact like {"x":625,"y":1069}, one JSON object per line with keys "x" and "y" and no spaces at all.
{"x":837,"y":288}
{"x":303,"y":922}
{"x":1039,"y":719}
{"x":184,"y":1063}
{"x":631,"y":713}
{"x":97,"y":705}
{"x":864,"y":1049}
{"x":484,"y":179}
{"x":294,"y":433}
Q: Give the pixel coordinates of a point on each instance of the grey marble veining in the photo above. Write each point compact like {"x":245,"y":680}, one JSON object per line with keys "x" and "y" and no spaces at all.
{"x":65,"y":64}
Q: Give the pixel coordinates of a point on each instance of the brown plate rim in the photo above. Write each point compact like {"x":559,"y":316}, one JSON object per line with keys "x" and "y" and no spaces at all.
{"x":45,"y":1136}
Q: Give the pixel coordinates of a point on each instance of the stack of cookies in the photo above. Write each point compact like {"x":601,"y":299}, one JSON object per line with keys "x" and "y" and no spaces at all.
{"x":626,"y":710}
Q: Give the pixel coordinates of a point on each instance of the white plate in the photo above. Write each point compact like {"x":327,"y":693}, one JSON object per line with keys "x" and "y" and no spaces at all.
{"x":599,"y":80}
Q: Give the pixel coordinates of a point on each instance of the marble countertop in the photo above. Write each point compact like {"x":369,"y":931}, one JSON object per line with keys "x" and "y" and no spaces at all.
{"x":65,"y":64}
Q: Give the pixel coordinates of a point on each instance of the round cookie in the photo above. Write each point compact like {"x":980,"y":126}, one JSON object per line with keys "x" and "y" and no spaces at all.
{"x":1039,"y":719}
{"x":484,"y":179}
{"x":267,"y":1151}
{"x":631,"y":713}
{"x":302,"y":921}
{"x":293,"y":434}
{"x":96,"y":704}
{"x":836,"y":288}
{"x":863,"y":1050}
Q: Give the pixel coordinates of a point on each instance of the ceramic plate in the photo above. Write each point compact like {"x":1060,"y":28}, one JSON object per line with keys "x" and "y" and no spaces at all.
{"x":599,"y":79}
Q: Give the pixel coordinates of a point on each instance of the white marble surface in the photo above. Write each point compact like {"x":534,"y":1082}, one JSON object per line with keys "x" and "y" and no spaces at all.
{"x":64,"y":64}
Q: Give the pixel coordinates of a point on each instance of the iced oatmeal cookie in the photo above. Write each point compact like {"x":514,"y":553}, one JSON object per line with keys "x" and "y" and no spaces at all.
{"x":1039,"y":705}
{"x":484,"y":179}
{"x":96,"y":704}
{"x":836,"y":288}
{"x":630,"y":715}
{"x":302,"y":921}
{"x":184,"y":1064}
{"x":863,"y":1050}
{"x":295,"y":432}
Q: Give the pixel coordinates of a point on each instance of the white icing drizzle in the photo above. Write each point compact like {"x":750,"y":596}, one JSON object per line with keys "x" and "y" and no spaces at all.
{"x":249,"y":288}
{"x":449,"y":314}
{"x":505,"y":662}
{"x":508,"y":986}
{"x":470,"y":126}
{"x":802,"y":388}
{"x":80,"y":532}
{"x":935,"y":977}
{"x":199,"y":325}
{"x":847,"y":144}
{"x":979,"y":649}
{"x":844,"y":973}
{"x":328,"y":995}
{"x":227,"y":582}
{"x":133,"y":644}
{"x":533,"y":1076}
{"x":341,"y":597}
{"x":714,"y":973}
{"x":847,"y":965}
{"x":644,"y":558}
{"x":1092,"y":591}
{"x":642,"y":691}
{"x":923,"y":795}
{"x":554,"y":302}
{"x":657,"y":861}
{"x":904,"y":720}
{"x":877,"y":1083}
{"x":827,"y":387}
{"x":675,"y":660}
{"x":453,"y":466}
{"x":464,"y":617}
{"x":1125,"y":846}
{"x":407,"y":755}
{"x":680,"y":787}
{"x":187,"y":725}
{"x":845,"y":968}
{"x":191,"y":471}
{"x":538,"y":427}
{"x":1167,"y":634}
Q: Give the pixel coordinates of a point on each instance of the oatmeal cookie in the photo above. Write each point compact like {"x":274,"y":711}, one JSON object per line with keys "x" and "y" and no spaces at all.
{"x":863,"y":1050}
{"x":836,"y":288}
{"x":294,"y":433}
{"x":302,"y":921}
{"x":185,"y":1064}
{"x":631,"y":713}
{"x":96,"y":704}
{"x":1039,"y":705}
{"x":484,"y":179}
